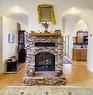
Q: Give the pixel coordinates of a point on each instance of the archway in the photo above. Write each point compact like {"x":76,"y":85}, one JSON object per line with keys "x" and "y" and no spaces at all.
{"x":86,"y":15}
{"x":72,"y":25}
{"x":17,"y":13}
{"x":10,"y":17}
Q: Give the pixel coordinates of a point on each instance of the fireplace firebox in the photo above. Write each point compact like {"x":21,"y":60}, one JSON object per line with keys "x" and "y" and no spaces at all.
{"x":44,"y":61}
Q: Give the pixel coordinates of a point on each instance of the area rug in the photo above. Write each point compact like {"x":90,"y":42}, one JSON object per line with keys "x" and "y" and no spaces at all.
{"x":66,"y":60}
{"x":47,"y":90}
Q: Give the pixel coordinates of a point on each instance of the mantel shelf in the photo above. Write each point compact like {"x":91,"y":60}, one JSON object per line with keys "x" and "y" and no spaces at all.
{"x":46,"y":34}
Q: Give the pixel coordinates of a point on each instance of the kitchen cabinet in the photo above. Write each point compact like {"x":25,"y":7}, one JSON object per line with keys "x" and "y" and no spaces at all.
{"x":81,"y":36}
{"x":79,"y":54}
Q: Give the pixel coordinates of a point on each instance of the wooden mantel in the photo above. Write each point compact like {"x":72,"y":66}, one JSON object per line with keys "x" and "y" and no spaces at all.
{"x":46,"y":34}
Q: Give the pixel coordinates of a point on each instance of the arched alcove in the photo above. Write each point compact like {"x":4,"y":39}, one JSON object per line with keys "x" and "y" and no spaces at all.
{"x":72,"y":24}
{"x":18,"y":14}
{"x":86,"y":15}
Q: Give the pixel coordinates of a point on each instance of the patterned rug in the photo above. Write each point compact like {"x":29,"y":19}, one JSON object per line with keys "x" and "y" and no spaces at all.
{"x":66,"y":60}
{"x":47,"y":90}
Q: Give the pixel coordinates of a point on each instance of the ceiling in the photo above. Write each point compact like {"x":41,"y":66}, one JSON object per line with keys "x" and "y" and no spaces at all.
{"x":28,"y":4}
{"x":20,"y":9}
{"x":17,"y":13}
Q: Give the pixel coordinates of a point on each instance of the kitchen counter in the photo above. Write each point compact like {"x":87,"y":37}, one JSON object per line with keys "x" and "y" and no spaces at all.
{"x":79,"y":48}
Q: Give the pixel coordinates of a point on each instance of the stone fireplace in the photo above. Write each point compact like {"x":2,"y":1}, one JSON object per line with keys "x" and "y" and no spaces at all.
{"x":44,"y":55}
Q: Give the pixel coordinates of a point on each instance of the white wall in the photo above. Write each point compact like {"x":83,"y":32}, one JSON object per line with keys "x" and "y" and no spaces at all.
{"x":22,"y":19}
{"x":72,"y":25}
{"x":33,"y":17}
{"x":9,"y":26}
{"x":1,"y":20}
{"x":81,"y":26}
{"x":70,"y":22}
{"x":24,"y":26}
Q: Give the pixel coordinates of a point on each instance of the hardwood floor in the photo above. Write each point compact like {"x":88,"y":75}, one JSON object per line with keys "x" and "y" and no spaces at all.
{"x":76,"y":74}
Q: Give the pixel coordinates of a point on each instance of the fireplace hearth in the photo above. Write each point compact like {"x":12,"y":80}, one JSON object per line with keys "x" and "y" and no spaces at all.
{"x":44,"y":60}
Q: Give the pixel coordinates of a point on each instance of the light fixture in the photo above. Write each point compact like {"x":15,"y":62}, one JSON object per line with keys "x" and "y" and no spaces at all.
{"x":80,"y":21}
{"x":74,"y":11}
{"x":17,"y":9}
{"x":14,"y":9}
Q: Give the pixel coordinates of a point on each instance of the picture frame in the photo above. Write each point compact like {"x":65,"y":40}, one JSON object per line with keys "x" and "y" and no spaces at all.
{"x":11,"y":38}
{"x":74,"y":39}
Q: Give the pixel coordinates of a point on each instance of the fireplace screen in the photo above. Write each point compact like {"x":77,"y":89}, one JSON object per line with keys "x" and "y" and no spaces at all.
{"x":44,"y":61}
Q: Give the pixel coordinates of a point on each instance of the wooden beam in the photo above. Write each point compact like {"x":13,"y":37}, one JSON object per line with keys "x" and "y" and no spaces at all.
{"x":46,"y":34}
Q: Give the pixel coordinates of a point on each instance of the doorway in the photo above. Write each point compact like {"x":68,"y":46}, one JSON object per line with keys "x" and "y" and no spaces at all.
{"x":73,"y":25}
